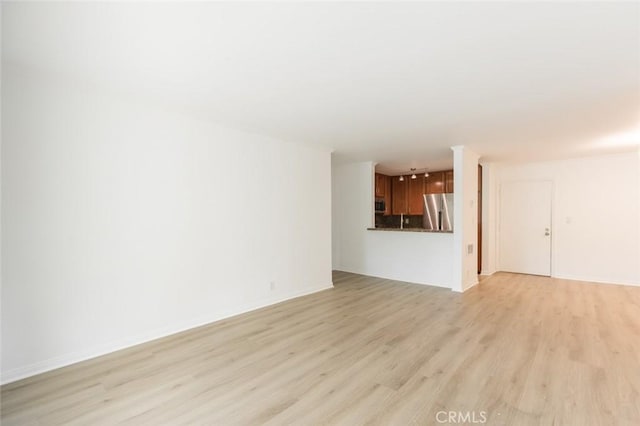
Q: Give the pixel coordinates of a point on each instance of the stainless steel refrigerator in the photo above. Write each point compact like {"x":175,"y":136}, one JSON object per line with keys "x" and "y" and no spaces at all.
{"x":438,"y":212}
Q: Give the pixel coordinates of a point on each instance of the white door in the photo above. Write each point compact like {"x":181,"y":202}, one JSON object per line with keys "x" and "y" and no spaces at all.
{"x":525,"y":227}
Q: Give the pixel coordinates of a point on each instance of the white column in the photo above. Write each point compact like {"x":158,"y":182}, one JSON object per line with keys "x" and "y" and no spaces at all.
{"x":465,"y":218}
{"x":638,"y":193}
{"x":489,"y":216}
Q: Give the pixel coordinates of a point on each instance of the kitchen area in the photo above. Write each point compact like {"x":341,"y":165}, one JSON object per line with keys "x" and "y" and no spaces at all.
{"x":414,"y":202}
{"x":388,"y":224}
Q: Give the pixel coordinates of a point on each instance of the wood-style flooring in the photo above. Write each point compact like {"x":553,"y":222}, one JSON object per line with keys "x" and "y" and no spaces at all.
{"x":514,"y":350}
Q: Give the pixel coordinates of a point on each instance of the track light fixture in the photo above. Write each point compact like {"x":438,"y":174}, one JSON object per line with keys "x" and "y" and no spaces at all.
{"x":413,"y":174}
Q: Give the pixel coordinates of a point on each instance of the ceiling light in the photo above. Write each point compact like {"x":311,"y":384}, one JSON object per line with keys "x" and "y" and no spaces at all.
{"x":412,"y":174}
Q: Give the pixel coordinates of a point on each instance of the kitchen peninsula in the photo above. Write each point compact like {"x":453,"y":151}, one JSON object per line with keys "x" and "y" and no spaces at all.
{"x":409,"y":230}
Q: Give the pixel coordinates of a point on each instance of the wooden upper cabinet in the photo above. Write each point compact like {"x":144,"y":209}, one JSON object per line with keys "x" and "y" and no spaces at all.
{"x":406,"y":196}
{"x":435,"y":183}
{"x":416,"y":190}
{"x":387,"y":196}
{"x":381,"y":185}
{"x":448,"y":181}
{"x":399,"y":191}
{"x":382,"y":191}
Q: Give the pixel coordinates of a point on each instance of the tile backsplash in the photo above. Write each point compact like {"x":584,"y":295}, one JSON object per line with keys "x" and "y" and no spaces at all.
{"x":393,"y":221}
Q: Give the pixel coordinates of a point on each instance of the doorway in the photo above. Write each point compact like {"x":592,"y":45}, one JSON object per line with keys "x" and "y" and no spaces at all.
{"x":525,"y":227}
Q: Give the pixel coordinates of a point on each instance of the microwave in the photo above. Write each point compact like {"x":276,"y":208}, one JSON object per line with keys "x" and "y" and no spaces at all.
{"x":380,"y":206}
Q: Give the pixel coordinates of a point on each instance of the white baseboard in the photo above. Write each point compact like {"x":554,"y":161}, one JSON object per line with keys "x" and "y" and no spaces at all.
{"x":75,"y":357}
{"x":367,"y":274}
{"x":592,"y":280}
{"x":596,"y":280}
{"x":473,"y":284}
{"x":469,"y":287}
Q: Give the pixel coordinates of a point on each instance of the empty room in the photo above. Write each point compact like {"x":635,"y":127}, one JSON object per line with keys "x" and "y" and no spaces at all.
{"x":320,"y":213}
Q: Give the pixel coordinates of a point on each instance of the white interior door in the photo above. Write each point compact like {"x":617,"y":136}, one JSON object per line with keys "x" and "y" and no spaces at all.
{"x":525,"y":227}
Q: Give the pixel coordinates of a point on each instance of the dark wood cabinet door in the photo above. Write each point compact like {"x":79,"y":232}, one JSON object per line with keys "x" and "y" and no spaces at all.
{"x":398,"y":195}
{"x":381,"y":187}
{"x":448,"y":181}
{"x":416,"y":190}
{"x":387,"y":195}
{"x":435,"y":183}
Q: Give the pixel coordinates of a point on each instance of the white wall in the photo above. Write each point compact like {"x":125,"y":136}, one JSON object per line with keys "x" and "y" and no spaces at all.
{"x":596,"y":210}
{"x":352,"y":213}
{"x":423,"y":258}
{"x":417,"y":257}
{"x":124,"y":222}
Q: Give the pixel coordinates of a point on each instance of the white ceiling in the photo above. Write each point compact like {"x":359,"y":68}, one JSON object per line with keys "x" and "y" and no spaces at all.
{"x":396,"y":83}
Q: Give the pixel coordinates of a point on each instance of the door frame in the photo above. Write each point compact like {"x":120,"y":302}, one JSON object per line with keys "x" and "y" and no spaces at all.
{"x":552,"y":243}
{"x":480,"y":224}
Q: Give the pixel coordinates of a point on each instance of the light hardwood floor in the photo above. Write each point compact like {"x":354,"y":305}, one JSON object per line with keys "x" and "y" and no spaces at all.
{"x":524,"y":350}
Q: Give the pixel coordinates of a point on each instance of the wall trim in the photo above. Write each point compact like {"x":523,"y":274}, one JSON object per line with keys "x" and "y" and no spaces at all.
{"x":596,"y":280}
{"x":473,"y":284}
{"x":351,"y":271}
{"x":107,"y":348}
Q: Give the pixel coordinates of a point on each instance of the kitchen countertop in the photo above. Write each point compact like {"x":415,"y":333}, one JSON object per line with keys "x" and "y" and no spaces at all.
{"x":409,"y":230}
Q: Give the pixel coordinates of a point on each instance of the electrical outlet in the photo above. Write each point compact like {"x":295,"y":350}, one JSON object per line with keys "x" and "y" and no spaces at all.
{"x":272,"y":285}
{"x":469,"y":248}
